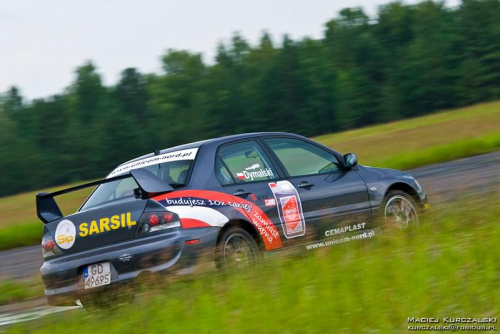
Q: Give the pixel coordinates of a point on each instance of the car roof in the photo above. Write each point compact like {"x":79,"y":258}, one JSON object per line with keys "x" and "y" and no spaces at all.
{"x":200,"y":143}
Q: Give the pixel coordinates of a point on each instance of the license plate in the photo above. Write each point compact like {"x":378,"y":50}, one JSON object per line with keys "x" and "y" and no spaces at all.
{"x":98,"y":274}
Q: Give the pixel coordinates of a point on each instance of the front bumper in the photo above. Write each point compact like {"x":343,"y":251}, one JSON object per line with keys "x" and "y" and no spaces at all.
{"x":424,"y":201}
{"x":163,"y":253}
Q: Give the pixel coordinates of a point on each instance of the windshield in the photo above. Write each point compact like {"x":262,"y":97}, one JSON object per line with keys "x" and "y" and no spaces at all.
{"x":174,"y":173}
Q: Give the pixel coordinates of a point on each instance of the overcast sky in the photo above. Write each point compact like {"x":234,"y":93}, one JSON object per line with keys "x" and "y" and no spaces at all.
{"x":42,"y":42}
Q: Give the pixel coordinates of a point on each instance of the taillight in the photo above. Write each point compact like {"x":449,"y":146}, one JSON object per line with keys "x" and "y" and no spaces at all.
{"x":168,"y":216}
{"x":157,"y":221}
{"x":49,"y":247}
{"x":153,"y":220}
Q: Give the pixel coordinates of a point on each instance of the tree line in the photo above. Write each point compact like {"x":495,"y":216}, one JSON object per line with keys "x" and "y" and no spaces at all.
{"x":407,"y":61}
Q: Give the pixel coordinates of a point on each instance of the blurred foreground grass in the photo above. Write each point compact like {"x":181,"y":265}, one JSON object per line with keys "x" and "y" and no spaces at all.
{"x":20,"y":290}
{"x":403,"y":144}
{"x":450,"y":267}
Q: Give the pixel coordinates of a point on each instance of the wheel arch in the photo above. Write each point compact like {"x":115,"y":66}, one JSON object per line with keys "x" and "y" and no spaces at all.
{"x":405,"y":187}
{"x":247,"y":226}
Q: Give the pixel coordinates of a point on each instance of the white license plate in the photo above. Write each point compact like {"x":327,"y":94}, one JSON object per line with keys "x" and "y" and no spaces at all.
{"x":98,"y":274}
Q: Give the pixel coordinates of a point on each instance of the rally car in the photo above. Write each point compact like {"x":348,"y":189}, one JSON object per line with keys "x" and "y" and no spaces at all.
{"x":232,"y":198}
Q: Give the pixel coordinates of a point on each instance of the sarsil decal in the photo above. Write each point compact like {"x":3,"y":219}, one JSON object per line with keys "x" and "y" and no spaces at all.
{"x":202,"y":208}
{"x":106,"y":224}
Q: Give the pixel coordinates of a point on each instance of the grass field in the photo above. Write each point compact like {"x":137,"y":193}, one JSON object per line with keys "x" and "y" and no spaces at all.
{"x":14,"y":291}
{"x":419,"y":141}
{"x":404,"y":144}
{"x":449,"y":268}
{"x":19,"y":224}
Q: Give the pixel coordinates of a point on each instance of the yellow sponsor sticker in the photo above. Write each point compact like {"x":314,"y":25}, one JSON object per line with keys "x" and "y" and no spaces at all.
{"x":65,"y":234}
{"x":106,"y":224}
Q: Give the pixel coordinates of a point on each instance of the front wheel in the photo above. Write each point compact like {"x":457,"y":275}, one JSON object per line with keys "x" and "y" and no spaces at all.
{"x":236,"y":249}
{"x":400,"y":211}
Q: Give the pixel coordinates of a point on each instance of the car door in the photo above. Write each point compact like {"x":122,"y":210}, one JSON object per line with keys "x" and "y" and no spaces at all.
{"x":334,"y":200}
{"x":245,"y":171}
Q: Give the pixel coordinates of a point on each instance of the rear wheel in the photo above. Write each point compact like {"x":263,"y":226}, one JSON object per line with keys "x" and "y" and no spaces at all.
{"x":236,"y":249}
{"x":400,"y":211}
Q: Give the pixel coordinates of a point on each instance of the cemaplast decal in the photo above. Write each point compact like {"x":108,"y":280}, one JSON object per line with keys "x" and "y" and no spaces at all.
{"x":345,"y":229}
{"x":189,"y":154}
{"x":65,"y":234}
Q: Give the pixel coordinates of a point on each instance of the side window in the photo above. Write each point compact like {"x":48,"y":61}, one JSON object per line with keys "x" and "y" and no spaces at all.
{"x":222,"y":173}
{"x":244,"y":162}
{"x":302,"y":158}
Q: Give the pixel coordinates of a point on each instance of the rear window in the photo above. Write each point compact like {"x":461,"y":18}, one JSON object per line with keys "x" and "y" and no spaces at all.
{"x":174,"y":172}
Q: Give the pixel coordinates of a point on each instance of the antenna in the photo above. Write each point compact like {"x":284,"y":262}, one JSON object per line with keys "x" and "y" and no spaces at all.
{"x":156,"y":152}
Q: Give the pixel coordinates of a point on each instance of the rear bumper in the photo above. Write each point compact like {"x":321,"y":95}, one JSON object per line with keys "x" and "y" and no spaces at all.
{"x":163,"y":253}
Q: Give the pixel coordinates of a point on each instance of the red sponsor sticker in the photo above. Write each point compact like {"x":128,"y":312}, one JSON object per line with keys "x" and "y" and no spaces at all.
{"x":289,"y":208}
{"x":268,"y":232}
{"x":290,"y":213}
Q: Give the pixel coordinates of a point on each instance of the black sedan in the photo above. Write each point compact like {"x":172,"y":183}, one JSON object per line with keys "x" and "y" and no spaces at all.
{"x":233,"y":198}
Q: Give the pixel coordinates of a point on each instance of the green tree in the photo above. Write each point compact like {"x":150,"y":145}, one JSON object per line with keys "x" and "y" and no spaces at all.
{"x":87,"y":98}
{"x":406,"y":61}
{"x":174,"y":119}
{"x":132,"y":95}
{"x":478,"y":25}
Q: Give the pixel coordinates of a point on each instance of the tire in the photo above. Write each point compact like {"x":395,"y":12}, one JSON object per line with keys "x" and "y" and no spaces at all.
{"x":236,"y":249}
{"x":400,"y":211}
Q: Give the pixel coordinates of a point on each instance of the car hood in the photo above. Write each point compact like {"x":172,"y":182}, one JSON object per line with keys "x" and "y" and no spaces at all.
{"x":384,"y":177}
{"x":384,"y":172}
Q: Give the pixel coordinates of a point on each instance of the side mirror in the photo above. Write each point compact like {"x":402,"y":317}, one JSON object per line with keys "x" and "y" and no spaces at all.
{"x":350,"y":160}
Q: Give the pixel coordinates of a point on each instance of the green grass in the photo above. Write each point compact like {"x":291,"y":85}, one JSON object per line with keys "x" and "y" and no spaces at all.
{"x":404,"y":144}
{"x":20,"y":209}
{"x":16,"y":291}
{"x":477,"y":113}
{"x":450,"y":267}
{"x":441,"y":153}
{"x":415,"y":142}
{"x":19,"y":224}
{"x":29,"y":233}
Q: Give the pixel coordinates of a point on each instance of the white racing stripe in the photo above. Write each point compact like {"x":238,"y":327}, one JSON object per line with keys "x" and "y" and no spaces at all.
{"x":33,"y":314}
{"x":207,"y":215}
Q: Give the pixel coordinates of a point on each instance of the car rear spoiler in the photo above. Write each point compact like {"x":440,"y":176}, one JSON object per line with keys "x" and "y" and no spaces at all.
{"x":149,"y":184}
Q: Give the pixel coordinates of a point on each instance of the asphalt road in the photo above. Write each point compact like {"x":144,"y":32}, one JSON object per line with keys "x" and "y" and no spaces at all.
{"x":442,"y":182}
{"x":20,"y":262}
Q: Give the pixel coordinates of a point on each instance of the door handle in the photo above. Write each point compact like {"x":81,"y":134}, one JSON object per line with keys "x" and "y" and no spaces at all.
{"x":241,"y":192}
{"x":305,"y":184}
